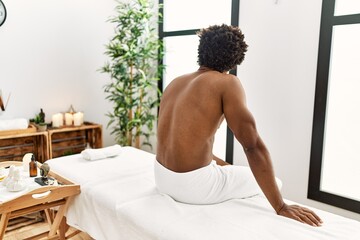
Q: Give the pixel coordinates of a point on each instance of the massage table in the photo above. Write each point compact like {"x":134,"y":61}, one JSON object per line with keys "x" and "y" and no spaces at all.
{"x":119,"y":200}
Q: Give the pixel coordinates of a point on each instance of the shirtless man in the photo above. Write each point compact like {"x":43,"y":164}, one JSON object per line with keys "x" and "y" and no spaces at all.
{"x":191,"y":110}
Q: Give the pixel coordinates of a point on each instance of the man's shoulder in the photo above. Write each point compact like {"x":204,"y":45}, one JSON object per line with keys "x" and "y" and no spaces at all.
{"x":227,"y":79}
{"x":232,"y":77}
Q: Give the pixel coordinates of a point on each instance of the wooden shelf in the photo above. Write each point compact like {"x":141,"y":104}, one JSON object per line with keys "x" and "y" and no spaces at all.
{"x":54,"y":142}
{"x":70,"y":140}
{"x":14,"y":146}
{"x":31,"y":129}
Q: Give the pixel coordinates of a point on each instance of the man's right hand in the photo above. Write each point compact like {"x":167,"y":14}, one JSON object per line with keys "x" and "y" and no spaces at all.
{"x":300,"y":214}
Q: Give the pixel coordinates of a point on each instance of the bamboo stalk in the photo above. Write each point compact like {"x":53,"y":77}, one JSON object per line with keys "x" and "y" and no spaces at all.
{"x":137,"y":143}
{"x":130,"y":114}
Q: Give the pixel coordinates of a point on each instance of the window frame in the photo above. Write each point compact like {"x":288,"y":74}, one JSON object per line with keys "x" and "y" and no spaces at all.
{"x":328,"y":21}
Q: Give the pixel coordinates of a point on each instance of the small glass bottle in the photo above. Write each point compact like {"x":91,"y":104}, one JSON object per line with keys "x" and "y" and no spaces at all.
{"x":33,"y":167}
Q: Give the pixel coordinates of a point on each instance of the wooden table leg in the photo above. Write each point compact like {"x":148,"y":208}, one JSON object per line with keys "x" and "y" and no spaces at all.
{"x":49,"y":216}
{"x":3,"y":224}
{"x":62,"y":229}
{"x":59,"y":217}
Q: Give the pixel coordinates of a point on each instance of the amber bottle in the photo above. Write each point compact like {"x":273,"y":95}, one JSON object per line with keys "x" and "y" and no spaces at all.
{"x":33,"y":167}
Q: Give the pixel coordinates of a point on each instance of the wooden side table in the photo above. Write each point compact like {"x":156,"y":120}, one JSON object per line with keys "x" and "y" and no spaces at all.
{"x":42,"y":198}
{"x":74,"y":139}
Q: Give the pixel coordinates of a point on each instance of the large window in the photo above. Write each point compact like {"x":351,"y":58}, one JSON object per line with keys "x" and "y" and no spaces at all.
{"x":182,"y":15}
{"x":335,"y":163}
{"x":181,"y":20}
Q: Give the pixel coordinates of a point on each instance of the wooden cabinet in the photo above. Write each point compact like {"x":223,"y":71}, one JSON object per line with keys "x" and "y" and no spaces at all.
{"x":15,"y":145}
{"x":70,"y":140}
{"x":55,"y":142}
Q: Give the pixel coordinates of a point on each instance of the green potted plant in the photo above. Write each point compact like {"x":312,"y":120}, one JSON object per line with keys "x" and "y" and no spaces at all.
{"x":39,"y":121}
{"x":134,"y":68}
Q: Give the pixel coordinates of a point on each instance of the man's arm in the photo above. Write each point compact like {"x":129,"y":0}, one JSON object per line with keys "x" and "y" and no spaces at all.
{"x":261,"y":166}
{"x":242,"y":124}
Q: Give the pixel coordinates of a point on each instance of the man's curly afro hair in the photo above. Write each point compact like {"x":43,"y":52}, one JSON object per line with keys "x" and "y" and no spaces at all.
{"x":221,"y":48}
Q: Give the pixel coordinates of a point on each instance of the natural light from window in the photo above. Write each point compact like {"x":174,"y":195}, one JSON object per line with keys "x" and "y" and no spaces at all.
{"x":341,"y":144}
{"x":346,"y":7}
{"x":190,"y":14}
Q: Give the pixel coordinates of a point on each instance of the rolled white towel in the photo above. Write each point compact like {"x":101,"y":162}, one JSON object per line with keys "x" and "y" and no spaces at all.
{"x":101,"y":153}
{"x":16,"y":123}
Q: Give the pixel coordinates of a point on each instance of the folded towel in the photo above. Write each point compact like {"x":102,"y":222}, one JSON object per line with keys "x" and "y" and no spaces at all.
{"x":101,"y":153}
{"x":16,"y":123}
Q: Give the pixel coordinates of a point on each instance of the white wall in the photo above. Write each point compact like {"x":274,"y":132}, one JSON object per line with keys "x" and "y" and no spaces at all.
{"x":50,"y":51}
{"x":279,"y":75}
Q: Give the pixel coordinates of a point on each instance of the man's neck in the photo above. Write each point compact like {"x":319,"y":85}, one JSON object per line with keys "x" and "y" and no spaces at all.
{"x":204,"y":69}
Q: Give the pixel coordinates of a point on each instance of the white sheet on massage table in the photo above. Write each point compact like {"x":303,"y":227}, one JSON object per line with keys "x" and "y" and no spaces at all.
{"x":119,"y":200}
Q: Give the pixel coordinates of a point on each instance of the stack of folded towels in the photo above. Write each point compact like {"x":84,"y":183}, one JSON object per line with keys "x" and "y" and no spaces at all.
{"x":101,"y":153}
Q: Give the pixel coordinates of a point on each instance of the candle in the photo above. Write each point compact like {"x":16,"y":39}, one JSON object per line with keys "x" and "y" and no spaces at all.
{"x":26,"y":160}
{"x":61,"y":119}
{"x":82,"y":118}
{"x":68,"y":119}
{"x":78,"y":119}
{"x":57,"y":120}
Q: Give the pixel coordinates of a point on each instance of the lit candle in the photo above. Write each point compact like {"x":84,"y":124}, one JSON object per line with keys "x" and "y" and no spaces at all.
{"x":68,"y":119}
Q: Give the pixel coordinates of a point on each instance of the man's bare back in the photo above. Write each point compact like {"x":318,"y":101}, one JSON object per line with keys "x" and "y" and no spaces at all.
{"x":190,"y":113}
